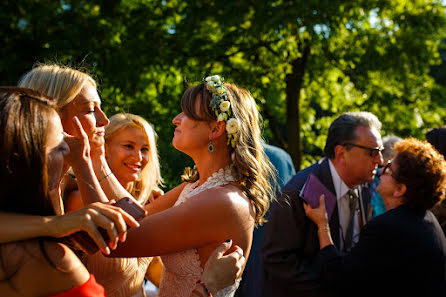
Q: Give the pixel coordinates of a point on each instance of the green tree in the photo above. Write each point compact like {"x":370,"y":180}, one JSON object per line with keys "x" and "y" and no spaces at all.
{"x":307,"y":61}
{"x":304,"y":61}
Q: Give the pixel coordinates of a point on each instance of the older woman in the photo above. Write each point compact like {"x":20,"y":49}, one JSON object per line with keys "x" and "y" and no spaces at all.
{"x":403,"y":251}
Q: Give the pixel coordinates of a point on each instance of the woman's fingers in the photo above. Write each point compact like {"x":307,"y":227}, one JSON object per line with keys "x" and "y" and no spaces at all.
{"x":221,"y":249}
{"x":102,"y":222}
{"x":222,"y":270}
{"x":79,"y":130}
{"x":239,"y":257}
{"x":322,"y":202}
{"x":120,"y":218}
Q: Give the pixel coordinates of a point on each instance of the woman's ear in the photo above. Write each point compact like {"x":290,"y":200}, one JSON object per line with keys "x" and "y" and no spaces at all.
{"x":217,"y":129}
{"x":400,"y":190}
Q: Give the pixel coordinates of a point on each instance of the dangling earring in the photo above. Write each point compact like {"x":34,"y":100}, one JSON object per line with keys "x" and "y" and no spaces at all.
{"x":211,"y":147}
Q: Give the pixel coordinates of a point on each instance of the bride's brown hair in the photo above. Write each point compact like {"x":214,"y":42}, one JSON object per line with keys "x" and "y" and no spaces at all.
{"x":253,"y":170}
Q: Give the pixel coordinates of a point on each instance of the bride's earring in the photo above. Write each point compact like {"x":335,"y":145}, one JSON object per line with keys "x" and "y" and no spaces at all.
{"x":211,"y":147}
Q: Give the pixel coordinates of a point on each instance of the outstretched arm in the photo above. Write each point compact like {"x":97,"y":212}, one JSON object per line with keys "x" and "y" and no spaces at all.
{"x":320,"y":218}
{"x":14,"y":227}
{"x":206,"y":219}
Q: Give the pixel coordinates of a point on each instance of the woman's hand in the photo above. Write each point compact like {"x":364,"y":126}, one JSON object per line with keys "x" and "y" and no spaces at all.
{"x":79,"y":146}
{"x":113,"y":219}
{"x":317,"y":215}
{"x":222,"y":270}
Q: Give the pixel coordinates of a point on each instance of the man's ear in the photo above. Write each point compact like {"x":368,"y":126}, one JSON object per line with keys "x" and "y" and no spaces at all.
{"x":217,"y":129}
{"x":340,"y":152}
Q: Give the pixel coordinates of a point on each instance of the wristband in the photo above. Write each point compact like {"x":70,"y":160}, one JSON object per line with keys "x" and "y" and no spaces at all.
{"x":104,"y":177}
{"x":208,"y":292}
{"x":325,"y":228}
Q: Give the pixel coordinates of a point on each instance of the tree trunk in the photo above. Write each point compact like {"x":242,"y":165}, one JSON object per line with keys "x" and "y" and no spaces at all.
{"x":294,"y":81}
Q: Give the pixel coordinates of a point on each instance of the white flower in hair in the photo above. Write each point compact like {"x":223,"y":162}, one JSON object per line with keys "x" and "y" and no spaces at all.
{"x":215,"y":78}
{"x":222,"y":117}
{"x":224,"y":105}
{"x":221,"y":105}
{"x":232,"y":126}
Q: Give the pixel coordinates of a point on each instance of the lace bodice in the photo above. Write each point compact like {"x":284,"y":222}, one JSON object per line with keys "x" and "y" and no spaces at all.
{"x":181,"y":270}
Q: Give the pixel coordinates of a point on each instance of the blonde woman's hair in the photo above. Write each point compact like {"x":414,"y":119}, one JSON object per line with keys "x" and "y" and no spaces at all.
{"x":254,"y":172}
{"x":56,"y":81}
{"x":150,"y":177}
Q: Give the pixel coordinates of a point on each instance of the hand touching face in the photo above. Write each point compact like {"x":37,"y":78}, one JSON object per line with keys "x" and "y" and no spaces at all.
{"x":87,"y":107}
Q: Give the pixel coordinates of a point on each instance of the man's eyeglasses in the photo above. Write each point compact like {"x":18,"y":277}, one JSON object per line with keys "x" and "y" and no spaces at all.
{"x":373,"y":151}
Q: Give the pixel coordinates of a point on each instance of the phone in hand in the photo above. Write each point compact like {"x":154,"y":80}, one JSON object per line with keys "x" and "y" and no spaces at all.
{"x":87,"y":243}
{"x":313,"y":189}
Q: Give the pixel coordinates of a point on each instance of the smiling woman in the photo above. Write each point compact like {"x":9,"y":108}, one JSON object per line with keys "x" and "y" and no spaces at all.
{"x":130,"y":146}
{"x":131,"y":153}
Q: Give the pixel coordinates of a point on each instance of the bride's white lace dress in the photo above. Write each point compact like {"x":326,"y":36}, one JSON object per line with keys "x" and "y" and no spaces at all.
{"x":181,"y":270}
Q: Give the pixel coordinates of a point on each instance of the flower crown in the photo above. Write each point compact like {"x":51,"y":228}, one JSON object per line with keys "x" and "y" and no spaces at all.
{"x":222,"y":106}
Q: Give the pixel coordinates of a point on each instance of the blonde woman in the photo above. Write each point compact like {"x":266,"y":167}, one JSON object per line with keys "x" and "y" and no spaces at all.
{"x":223,"y":198}
{"x":77,"y":96}
{"x":130,"y":150}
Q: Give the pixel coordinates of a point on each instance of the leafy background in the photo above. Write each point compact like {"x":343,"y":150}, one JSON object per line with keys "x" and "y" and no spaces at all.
{"x":305,"y":62}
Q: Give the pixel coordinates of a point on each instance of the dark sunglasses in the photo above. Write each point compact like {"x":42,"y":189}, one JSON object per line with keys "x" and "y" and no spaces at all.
{"x":373,"y":151}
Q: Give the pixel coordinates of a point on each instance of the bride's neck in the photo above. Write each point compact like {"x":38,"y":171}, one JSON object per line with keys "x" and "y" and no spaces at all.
{"x":208,"y":163}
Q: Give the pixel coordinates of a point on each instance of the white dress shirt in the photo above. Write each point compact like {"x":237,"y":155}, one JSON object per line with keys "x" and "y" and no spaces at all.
{"x":342,"y":189}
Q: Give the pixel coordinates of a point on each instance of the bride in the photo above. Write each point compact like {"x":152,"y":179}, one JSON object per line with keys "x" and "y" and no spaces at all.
{"x":223,"y":198}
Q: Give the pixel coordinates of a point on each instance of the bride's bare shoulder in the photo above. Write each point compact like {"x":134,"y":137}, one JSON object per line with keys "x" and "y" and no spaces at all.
{"x":227,"y":198}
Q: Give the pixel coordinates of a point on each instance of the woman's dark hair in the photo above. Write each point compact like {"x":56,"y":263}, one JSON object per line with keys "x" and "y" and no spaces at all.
{"x":24,"y":122}
{"x":423,"y":170}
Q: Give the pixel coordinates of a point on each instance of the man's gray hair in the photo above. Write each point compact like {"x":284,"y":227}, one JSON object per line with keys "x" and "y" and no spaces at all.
{"x":343,"y":128}
{"x":388,"y":143}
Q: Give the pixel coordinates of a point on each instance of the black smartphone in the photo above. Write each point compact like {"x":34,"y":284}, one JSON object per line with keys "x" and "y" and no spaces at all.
{"x":87,"y":243}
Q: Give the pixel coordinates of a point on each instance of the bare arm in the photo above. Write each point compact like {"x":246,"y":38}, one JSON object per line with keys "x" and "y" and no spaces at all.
{"x":15,"y":227}
{"x":166,"y":201}
{"x":320,"y":218}
{"x":205,"y":219}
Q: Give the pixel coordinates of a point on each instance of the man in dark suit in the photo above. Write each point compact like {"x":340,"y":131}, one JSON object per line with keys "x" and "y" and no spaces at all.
{"x":290,"y":239}
{"x":252,"y":278}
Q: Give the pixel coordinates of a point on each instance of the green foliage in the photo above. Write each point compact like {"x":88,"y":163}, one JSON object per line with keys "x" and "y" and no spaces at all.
{"x":331,"y":55}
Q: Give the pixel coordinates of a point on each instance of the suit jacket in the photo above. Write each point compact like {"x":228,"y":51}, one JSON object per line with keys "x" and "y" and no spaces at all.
{"x":252,"y":278}
{"x":290,"y":242}
{"x":399,"y":253}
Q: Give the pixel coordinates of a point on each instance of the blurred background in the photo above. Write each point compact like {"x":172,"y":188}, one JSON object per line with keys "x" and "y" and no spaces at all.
{"x":305,"y":62}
